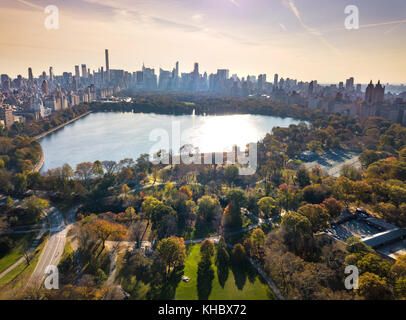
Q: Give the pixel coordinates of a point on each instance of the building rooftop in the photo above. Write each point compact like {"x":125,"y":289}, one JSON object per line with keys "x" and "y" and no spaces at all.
{"x":385,"y":237}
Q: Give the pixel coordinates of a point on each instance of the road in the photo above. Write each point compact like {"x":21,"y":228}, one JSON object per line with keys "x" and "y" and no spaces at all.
{"x":52,"y":253}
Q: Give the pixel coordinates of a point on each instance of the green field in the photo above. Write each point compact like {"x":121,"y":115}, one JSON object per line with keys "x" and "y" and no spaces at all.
{"x":240,"y":283}
{"x":16,"y":253}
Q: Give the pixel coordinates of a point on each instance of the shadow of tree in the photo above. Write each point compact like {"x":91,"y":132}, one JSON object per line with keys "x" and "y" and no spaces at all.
{"x":205,"y":276}
{"x":222,"y":274}
{"x":240,"y":275}
{"x":168,"y":288}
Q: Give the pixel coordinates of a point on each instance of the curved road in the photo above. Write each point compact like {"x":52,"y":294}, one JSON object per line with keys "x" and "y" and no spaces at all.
{"x":52,"y":253}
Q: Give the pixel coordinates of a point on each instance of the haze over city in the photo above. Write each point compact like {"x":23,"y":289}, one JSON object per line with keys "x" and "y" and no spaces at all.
{"x":300,"y":39}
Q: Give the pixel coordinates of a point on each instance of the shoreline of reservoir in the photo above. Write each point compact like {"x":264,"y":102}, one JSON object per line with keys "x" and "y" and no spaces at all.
{"x":38,"y":166}
{"x":44,"y":134}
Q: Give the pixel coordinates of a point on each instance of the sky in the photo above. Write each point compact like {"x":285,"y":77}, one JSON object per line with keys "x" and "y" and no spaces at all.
{"x":300,"y":39}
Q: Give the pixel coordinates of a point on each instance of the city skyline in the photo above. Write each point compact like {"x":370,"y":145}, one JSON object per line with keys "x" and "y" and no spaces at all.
{"x":304,"y":40}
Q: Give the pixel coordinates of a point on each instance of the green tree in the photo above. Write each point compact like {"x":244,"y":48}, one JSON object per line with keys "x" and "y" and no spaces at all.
{"x":207,"y":250}
{"x":303,"y":177}
{"x":231,"y":174}
{"x":208,"y":208}
{"x":34,"y":206}
{"x":268,"y":206}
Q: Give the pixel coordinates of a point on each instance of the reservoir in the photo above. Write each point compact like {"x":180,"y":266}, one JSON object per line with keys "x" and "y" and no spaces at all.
{"x":117,"y":136}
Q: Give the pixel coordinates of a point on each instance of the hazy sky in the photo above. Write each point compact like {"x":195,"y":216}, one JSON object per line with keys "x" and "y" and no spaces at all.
{"x":303,"y":39}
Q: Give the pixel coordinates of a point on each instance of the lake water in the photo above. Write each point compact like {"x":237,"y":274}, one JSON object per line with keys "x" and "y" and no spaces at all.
{"x":116,"y":136}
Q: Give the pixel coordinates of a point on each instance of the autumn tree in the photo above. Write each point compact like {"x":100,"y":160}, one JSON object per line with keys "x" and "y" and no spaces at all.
{"x":317,"y":215}
{"x":373,"y":287}
{"x":104,"y":230}
{"x":333,"y":206}
{"x":172,"y":253}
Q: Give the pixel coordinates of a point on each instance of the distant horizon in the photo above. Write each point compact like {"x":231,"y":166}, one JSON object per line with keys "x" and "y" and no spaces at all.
{"x":269,"y":75}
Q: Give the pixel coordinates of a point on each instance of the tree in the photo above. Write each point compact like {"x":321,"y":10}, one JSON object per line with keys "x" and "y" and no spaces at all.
{"x":402,"y":155}
{"x":125,"y":190}
{"x":97,"y":168}
{"x":368,"y":157}
{"x":303,"y":177}
{"x":343,"y":189}
{"x":333,"y":206}
{"x":67,"y":172}
{"x":207,"y":250}
{"x":236,"y":200}
{"x":104,"y":230}
{"x":208,"y":208}
{"x":268,"y":206}
{"x":373,"y":287}
{"x":231,"y":174}
{"x":172,"y":253}
{"x":317,"y":215}
{"x":84,"y":170}
{"x":258,"y":237}
{"x":20,"y":183}
{"x":238,"y":254}
{"x":371,"y":262}
{"x":34,"y":206}
{"x":109,"y":166}
{"x":222,"y":256}
{"x":398,"y":270}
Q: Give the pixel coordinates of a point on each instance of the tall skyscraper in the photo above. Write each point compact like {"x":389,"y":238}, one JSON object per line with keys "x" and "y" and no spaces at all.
{"x":30,"y":76}
{"x":107,"y":65}
{"x":196,"y":72}
{"x":84,"y":71}
{"x":51,"y":74}
{"x":177,"y":70}
{"x":77,"y":73}
{"x":275,"y":80}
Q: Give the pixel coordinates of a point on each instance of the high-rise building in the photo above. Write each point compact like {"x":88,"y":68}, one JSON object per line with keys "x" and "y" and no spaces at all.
{"x":275,"y":80}
{"x":30,"y":76}
{"x":349,"y":84}
{"x":44,"y":87}
{"x":107,"y":65}
{"x":196,"y":72}
{"x":373,"y":94}
{"x":6,"y":114}
{"x":51,"y":74}
{"x":77,"y":73}
{"x":84,"y":71}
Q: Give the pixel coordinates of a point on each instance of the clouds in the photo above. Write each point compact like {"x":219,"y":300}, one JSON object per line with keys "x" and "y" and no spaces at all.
{"x":301,"y":38}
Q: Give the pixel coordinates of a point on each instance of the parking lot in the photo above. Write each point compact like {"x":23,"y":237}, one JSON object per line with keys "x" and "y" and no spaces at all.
{"x":353,"y":228}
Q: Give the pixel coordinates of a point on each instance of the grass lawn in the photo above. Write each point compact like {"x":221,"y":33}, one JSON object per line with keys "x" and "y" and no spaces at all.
{"x":239,"y":285}
{"x":12,"y":283}
{"x":16,"y":252}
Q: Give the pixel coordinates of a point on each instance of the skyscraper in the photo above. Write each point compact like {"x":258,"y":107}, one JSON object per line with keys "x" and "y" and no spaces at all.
{"x":275,"y":80}
{"x":107,"y":65}
{"x":77,"y":73}
{"x":84,"y":71}
{"x":30,"y":76}
{"x":51,"y":74}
